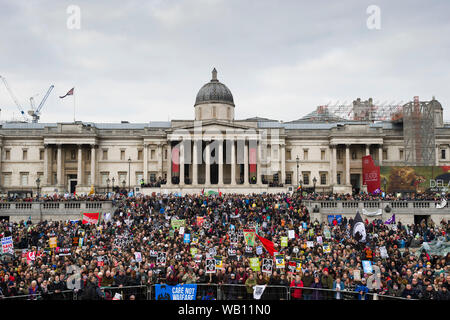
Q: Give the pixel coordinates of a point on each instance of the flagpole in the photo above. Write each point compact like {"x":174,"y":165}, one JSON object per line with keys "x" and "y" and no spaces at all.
{"x":74,"y":105}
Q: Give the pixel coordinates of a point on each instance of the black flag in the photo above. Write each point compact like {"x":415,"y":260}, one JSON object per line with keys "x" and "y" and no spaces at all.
{"x":359,"y":229}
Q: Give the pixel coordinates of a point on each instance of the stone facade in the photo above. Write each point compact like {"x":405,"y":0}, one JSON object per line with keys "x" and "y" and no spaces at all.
{"x":219,"y":151}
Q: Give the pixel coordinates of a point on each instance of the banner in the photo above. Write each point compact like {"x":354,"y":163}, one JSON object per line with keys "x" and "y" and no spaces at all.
{"x":161,"y":259}
{"x":138,"y":256}
{"x":200,"y":221}
{"x":284,"y":242}
{"x":252,"y":159}
{"x":7,"y":245}
{"x":177,"y":223}
{"x":442,"y":204}
{"x":52,"y":242}
{"x":181,"y":230}
{"x":90,"y":218}
{"x":258,"y":291}
{"x":298,"y":264}
{"x":383,"y":253}
{"x":267,"y":266}
{"x":326,"y":248}
{"x":187,"y":238}
{"x":210,"y":266}
{"x":219,"y":262}
{"x":417,"y":179}
{"x":332,"y":216}
{"x":279,"y":260}
{"x":371,"y":175}
{"x":178,"y":292}
{"x":291,"y":234}
{"x":259,"y":250}
{"x":175,"y":160}
{"x":63,"y":251}
{"x":367,"y":266}
{"x":249,"y":236}
{"x":391,"y":220}
{"x":254,"y":264}
{"x":372,"y":214}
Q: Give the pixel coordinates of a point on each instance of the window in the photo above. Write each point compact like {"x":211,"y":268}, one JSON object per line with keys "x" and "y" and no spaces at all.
{"x":105,"y":154}
{"x":400,"y":154}
{"x":88,"y":155}
{"x":288,"y":154}
{"x":73,"y":155}
{"x":139,"y":177}
{"x":122,"y":178}
{"x":122,"y":154}
{"x":443,"y":154}
{"x":288,"y":178}
{"x":104,"y":176}
{"x":152,"y":177}
{"x":275,"y":152}
{"x":385,"y":155}
{"x":338,"y":178}
{"x":165,"y":154}
{"x":338,"y":154}
{"x":55,"y":154}
{"x":214,"y":111}
{"x":24,"y":154}
{"x":305,"y":178}
{"x":24,"y":178}
{"x":229,"y":112}
{"x":322,"y":154}
{"x":140,"y":154}
{"x":7,"y":154}
{"x":323,"y":178}
{"x":55,"y":178}
{"x":305,"y":154}
{"x":88,"y":178}
{"x":152,"y":154}
{"x":354,"y":155}
{"x":41,"y":154}
{"x":7,"y":179}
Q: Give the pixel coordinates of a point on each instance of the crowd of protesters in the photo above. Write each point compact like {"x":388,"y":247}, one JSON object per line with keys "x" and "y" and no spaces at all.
{"x":142,"y":224}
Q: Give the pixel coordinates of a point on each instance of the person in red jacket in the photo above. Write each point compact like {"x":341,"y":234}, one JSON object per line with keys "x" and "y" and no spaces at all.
{"x":296,"y":294}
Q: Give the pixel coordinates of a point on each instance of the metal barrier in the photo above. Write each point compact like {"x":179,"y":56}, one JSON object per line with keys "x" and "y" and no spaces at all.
{"x":309,"y":293}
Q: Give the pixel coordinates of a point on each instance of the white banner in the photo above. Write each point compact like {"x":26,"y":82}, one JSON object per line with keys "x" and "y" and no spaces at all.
{"x":372,"y":214}
{"x":442,"y":204}
{"x":258,"y":292}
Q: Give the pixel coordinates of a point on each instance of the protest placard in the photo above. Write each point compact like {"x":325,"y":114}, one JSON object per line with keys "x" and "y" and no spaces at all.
{"x":254,"y":264}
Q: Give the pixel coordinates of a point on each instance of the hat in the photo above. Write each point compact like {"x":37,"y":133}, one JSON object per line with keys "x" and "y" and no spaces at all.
{"x":325,"y":269}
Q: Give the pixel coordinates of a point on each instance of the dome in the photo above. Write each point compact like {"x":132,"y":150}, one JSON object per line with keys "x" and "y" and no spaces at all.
{"x":214,"y":92}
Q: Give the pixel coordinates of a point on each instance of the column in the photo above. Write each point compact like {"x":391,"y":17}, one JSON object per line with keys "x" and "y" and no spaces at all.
{"x":347,"y":164}
{"x":59,"y":166}
{"x":80,"y":164}
{"x":194,"y":164}
{"x":380,"y":155}
{"x":93,"y":166}
{"x":333,"y":164}
{"x":169,"y":164}
{"x":207,"y":165}
{"x":245,"y":162}
{"x":181,"y":163}
{"x":145,"y":166}
{"x":367,"y":149}
{"x":283,"y":164}
{"x":258,"y":163}
{"x":220,"y":165}
{"x":233,"y":163}
{"x":46,"y":150}
{"x":160,"y":160}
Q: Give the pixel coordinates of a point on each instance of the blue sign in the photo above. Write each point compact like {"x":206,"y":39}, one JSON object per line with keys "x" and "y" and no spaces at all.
{"x":367,"y":266}
{"x":178,"y":292}
{"x":337,"y":216}
{"x":304,"y":225}
{"x":187,"y":238}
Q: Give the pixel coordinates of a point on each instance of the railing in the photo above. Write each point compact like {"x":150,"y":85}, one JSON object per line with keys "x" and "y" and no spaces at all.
{"x":214,"y":292}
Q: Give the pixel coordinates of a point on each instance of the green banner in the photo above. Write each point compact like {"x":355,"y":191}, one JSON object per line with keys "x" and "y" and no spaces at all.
{"x":254,"y":264}
{"x":284,"y":242}
{"x":176,"y":224}
{"x":249,"y":237}
{"x":193,"y":251}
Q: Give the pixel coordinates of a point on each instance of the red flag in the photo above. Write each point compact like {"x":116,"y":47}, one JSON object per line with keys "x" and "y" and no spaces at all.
{"x":267,"y":244}
{"x":70,"y":93}
{"x":371,"y":175}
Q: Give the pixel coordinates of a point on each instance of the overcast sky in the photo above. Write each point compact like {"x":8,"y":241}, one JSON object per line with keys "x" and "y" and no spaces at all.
{"x":146,"y":60}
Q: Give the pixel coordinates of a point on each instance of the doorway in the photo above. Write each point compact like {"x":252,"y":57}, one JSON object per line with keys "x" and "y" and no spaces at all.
{"x":418,"y":218}
{"x":355,"y":182}
{"x":72,"y":179}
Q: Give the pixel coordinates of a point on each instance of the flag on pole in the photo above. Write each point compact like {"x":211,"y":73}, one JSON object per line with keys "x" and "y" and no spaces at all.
{"x":69,"y":93}
{"x":358,"y":228}
{"x":391,"y":220}
{"x":267,"y":244}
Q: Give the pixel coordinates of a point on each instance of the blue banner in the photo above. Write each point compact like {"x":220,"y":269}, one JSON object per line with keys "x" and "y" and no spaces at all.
{"x":187,"y":238}
{"x":331,"y":218}
{"x":178,"y":292}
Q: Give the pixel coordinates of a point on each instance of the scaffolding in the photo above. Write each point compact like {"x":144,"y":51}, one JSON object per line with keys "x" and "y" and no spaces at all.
{"x":418,"y":133}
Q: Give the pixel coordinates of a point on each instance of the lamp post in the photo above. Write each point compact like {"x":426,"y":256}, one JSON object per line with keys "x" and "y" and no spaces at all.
{"x":38,"y":183}
{"x":129,"y":170}
{"x":385,"y":183}
{"x":314,"y":183}
{"x":298,"y":160}
{"x":107,"y":185}
{"x":113,"y":183}
{"x":123,"y":183}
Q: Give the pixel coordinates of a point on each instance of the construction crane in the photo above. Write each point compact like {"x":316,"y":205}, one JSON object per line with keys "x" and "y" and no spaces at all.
{"x":35,"y":113}
{"x":11,"y":93}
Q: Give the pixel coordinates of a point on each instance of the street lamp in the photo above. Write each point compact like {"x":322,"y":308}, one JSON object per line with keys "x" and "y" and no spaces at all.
{"x":314,"y":182}
{"x":113,"y":183}
{"x":129,"y":168}
{"x":107,"y":185}
{"x":38,"y":183}
{"x":298,"y":160}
